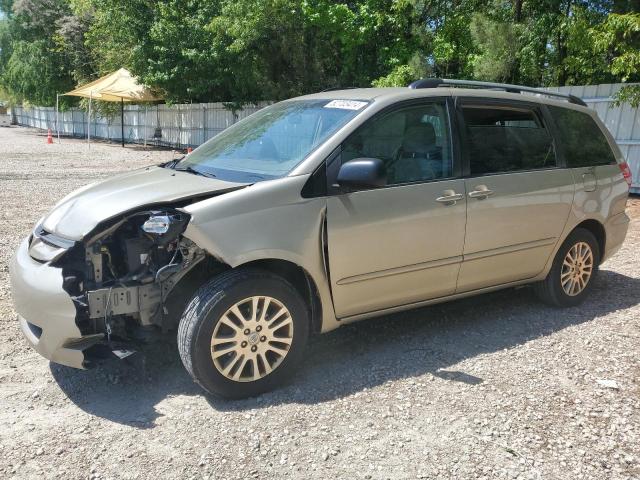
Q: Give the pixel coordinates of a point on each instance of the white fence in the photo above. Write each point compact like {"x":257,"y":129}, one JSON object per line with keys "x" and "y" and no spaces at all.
{"x":180,"y":125}
{"x":623,"y":121}
{"x":189,"y":125}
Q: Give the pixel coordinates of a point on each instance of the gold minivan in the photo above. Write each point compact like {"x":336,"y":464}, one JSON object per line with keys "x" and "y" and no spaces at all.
{"x":323,"y":210}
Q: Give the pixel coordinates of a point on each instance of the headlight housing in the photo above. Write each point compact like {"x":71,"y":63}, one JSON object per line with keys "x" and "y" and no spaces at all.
{"x":164,"y":227}
{"x":157,"y":224}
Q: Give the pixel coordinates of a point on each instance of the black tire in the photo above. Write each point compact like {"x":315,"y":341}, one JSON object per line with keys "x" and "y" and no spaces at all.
{"x":205,"y":310}
{"x":550,"y":290}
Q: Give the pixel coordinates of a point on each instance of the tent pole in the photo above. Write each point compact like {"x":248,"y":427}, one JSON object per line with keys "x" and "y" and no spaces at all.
{"x":122,"y":119}
{"x":144,"y":129}
{"x":57,"y":128}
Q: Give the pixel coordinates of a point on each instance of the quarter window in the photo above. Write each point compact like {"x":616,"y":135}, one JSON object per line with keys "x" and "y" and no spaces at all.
{"x":413,"y":142}
{"x":506,"y":139}
{"x":584,"y":143}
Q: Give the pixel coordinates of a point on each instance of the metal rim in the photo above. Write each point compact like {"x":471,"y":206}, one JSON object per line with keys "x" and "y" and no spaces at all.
{"x":252,"y":339}
{"x":577,"y":268}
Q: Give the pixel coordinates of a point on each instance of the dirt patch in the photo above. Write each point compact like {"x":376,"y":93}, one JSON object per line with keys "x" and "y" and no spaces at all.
{"x":497,"y":386}
{"x":633,"y":206}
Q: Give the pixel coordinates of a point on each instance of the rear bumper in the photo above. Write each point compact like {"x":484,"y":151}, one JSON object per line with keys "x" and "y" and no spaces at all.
{"x":46,"y":313}
{"x":616,"y":230}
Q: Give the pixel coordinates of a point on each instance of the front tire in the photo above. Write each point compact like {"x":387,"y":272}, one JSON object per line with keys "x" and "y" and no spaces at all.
{"x":243,"y":333}
{"x":574,"y":270}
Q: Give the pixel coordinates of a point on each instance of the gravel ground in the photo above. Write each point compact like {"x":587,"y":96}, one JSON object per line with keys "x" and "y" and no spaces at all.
{"x":497,"y":386}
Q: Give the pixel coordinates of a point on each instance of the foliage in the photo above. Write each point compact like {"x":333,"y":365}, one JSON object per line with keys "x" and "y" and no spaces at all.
{"x":249,"y":50}
{"x":629,"y":94}
{"x":33,"y":72}
{"x":453,"y":48}
{"x":618,"y":41}
{"x":281,"y":48}
{"x":498,"y":45}
{"x":34,"y":65}
{"x":401,"y":76}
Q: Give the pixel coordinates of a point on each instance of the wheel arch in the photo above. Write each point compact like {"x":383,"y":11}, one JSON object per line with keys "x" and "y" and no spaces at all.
{"x":300,"y":279}
{"x":180,"y":295}
{"x":598,"y":231}
{"x":296,"y":275}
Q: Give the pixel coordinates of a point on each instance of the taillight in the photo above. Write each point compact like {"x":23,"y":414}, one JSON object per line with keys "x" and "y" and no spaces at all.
{"x":626,"y":172}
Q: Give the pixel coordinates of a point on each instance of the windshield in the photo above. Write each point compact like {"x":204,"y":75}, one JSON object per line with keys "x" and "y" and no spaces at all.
{"x":272,"y":141}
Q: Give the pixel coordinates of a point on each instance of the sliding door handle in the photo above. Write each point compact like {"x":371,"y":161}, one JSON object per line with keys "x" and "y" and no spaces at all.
{"x":481,"y":192}
{"x":449,"y":197}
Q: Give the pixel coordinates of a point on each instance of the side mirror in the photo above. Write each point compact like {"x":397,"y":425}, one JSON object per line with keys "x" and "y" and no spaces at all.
{"x":363,"y":173}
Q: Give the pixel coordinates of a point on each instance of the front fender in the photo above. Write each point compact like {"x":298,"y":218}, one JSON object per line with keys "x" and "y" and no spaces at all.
{"x":269,"y":220}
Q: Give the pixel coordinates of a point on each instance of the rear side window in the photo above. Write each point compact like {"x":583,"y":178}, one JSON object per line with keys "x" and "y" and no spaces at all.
{"x":584,"y":143}
{"x":506,"y":139}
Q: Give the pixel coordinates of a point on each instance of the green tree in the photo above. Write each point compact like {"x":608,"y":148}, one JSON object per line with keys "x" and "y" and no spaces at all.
{"x":499,"y":45}
{"x":42,"y":50}
{"x":288,"y":47}
{"x":178,"y":53}
{"x":618,"y":40}
{"x":249,"y":50}
{"x":34,"y":67}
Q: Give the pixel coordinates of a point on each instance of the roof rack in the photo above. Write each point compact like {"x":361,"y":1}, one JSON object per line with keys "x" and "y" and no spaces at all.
{"x":439,"y":82}
{"x":333,"y":89}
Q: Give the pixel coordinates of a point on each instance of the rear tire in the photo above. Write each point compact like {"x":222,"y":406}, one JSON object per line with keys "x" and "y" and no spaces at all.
{"x":243,"y":333}
{"x":574,"y":270}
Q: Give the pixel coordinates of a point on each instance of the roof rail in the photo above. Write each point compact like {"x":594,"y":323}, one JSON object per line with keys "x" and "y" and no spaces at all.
{"x":333,"y":89}
{"x":440,"y":82}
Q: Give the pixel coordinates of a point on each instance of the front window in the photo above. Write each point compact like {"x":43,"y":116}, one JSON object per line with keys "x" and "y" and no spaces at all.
{"x":413,"y":142}
{"x":272,"y":141}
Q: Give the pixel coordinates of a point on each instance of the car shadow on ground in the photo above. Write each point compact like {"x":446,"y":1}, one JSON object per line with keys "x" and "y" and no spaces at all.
{"x":430,"y":340}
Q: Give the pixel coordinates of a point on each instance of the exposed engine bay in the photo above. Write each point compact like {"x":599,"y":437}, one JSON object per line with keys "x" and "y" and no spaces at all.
{"x":121,"y":277}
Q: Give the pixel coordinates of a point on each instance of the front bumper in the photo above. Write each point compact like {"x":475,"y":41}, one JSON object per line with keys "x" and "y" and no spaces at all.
{"x":46,"y":312}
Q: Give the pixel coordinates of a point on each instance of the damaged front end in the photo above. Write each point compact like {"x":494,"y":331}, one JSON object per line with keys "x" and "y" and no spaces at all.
{"x":121,"y":276}
{"x":109,"y":264}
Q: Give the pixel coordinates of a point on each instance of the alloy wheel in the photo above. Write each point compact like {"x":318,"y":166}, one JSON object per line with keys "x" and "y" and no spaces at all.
{"x":252,"y":338}
{"x":577,"y":268}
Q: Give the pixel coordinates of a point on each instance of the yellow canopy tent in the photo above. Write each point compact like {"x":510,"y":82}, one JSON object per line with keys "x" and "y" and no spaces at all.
{"x":119,"y":86}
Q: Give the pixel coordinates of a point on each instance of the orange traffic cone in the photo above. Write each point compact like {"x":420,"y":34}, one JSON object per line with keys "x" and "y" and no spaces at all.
{"x":49,"y":137}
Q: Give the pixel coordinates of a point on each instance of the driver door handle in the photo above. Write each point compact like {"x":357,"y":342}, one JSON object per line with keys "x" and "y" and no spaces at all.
{"x":449,"y":197}
{"x":481,"y":192}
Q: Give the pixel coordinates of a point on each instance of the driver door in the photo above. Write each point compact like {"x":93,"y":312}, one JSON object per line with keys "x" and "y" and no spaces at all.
{"x":402,"y":243}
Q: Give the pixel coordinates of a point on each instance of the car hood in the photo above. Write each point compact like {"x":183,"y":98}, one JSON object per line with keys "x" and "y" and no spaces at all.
{"x":80,"y":212}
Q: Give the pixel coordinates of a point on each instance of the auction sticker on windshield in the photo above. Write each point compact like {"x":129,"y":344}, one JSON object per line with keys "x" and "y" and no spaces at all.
{"x":346,"y":104}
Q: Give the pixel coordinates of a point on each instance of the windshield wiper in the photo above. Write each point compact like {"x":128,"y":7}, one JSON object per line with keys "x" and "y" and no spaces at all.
{"x":173,"y":163}
{"x":190,"y":169}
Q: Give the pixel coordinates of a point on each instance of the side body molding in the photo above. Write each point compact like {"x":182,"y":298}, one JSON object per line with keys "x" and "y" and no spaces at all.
{"x":268,"y":220}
